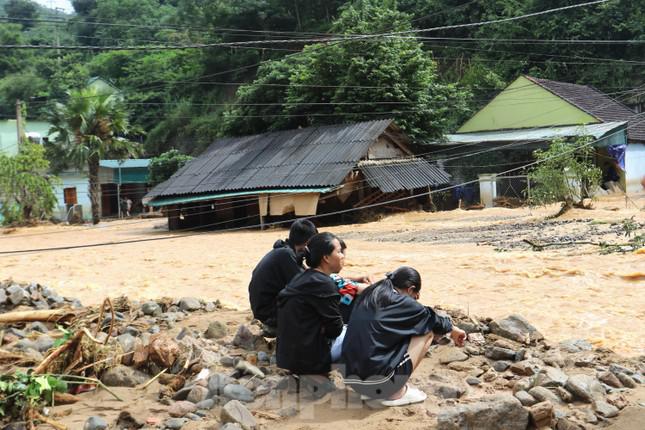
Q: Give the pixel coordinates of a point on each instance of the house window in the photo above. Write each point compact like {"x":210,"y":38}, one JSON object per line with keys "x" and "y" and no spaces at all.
{"x":70,"y":196}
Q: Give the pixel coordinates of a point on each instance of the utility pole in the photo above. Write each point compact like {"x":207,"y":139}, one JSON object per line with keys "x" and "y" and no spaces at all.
{"x":19,"y":130}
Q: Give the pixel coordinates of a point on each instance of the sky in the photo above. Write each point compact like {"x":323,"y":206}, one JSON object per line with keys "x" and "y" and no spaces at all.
{"x":66,"y":5}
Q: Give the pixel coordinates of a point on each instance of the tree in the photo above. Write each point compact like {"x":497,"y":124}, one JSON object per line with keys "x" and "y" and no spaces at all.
{"x":165,"y":165}
{"x":22,"y":10}
{"x":565,"y":173}
{"x":91,"y":126}
{"x":26,"y":190}
{"x":352,"y":81}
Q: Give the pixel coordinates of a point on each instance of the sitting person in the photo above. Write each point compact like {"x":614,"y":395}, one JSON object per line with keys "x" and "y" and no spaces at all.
{"x":388,"y":335}
{"x":275,"y":271}
{"x":349,"y":287}
{"x":308,"y":315}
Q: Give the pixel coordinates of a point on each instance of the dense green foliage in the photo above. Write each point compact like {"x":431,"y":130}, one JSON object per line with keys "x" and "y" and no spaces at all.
{"x":92,"y":125}
{"x":565,"y":173}
{"x":185,"y":98}
{"x":26,"y":192}
{"x":21,"y":393}
{"x":165,"y":165}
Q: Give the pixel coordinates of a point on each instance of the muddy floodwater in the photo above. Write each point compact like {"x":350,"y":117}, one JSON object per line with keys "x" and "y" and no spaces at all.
{"x":475,"y":260}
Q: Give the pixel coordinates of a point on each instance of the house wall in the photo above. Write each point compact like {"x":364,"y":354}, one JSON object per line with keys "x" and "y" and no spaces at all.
{"x":9,"y":136}
{"x":384,"y":148}
{"x":524,"y":104}
{"x":78,"y":180}
{"x":634,"y":167}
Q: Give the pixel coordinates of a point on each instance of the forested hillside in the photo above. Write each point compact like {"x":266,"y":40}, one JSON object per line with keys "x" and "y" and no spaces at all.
{"x":193,"y":70}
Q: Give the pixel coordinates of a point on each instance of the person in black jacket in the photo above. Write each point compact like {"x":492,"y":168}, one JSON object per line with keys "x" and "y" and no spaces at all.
{"x":308,"y":310}
{"x":275,"y":271}
{"x":388,"y":335}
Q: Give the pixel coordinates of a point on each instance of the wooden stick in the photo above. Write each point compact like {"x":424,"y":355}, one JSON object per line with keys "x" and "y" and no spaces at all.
{"x":65,"y":398}
{"x":154,"y":378}
{"x":55,"y":424}
{"x":57,"y":352}
{"x":35,"y":315}
{"x":267,"y":415}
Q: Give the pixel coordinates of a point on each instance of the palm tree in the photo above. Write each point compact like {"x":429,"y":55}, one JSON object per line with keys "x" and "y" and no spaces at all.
{"x":91,"y":126}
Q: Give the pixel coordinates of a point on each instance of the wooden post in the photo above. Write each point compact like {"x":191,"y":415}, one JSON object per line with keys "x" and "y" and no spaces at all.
{"x":19,"y":122}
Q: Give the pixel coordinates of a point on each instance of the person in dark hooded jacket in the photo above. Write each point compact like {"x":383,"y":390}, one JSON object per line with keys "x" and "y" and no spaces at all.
{"x":388,"y":335}
{"x":275,"y":271}
{"x":309,"y":318}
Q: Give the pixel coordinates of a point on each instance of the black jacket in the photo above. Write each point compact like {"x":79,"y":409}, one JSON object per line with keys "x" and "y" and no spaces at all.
{"x":377,"y":340}
{"x":270,"y":276}
{"x":308,"y":320}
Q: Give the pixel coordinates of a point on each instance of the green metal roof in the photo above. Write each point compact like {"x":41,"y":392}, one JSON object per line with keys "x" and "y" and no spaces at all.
{"x":204,"y":197}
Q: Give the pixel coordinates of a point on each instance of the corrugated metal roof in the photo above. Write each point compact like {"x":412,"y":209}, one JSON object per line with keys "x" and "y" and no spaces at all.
{"x":403,"y":174}
{"x":308,"y":157}
{"x":596,"y":103}
{"x":211,"y":196}
{"x":536,"y":134}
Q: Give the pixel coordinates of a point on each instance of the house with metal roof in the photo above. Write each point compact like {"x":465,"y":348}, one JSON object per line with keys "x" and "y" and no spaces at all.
{"x":308,"y":171}
{"x":531,"y":112}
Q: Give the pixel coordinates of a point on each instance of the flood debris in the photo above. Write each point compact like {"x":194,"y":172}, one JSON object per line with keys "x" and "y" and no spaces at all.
{"x":508,"y":375}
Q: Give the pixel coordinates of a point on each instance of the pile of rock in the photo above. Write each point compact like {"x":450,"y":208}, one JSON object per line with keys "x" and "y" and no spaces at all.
{"x":35,"y":296}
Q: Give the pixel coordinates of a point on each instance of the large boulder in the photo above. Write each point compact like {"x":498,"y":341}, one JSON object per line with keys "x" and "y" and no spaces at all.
{"x":123,"y":376}
{"x":236,"y":412}
{"x":502,"y":412}
{"x":516,"y":328}
{"x":585,"y":387}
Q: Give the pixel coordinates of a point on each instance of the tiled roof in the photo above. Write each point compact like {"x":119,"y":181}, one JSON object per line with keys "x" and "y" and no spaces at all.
{"x":403,"y":174}
{"x":597,"y":104}
{"x":307,"y":157}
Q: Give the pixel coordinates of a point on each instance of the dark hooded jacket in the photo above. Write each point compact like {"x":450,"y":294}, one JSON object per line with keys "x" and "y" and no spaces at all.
{"x":270,"y":276}
{"x":377,"y":339}
{"x":308,"y":320}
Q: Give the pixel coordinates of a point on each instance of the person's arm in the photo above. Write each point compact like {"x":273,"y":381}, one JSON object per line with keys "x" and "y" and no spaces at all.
{"x":368,"y":279}
{"x":332,"y":322}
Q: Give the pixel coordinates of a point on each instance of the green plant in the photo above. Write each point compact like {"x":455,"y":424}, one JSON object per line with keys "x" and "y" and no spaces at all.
{"x":165,"y":165}
{"x":22,"y":392}
{"x":565,"y":173}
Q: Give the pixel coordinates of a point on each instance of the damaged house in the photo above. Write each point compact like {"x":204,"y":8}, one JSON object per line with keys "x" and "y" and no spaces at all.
{"x":324,"y":170}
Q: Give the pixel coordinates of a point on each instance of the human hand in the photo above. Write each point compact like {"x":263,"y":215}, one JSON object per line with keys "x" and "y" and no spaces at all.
{"x":369,"y":279}
{"x":458,"y":336}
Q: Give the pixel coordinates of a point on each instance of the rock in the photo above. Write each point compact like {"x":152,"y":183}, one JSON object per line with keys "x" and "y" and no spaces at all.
{"x":182,"y":393}
{"x":38,"y":326}
{"x":206,"y":404}
{"x":551,"y":377}
{"x":181,"y":408}
{"x":610,"y":379}
{"x":564,"y":395}
{"x":567,"y":424}
{"x":174,"y":423}
{"x":249,"y":369}
{"x":447,"y":391}
{"x":263,"y":357}
{"x":217,"y":382}
{"x":523,"y":384}
{"x":238,"y":392}
{"x":498,"y":353}
{"x":516,"y":328}
{"x":541,"y":414}
{"x":553,"y":358}
{"x":501,"y":365}
{"x":197,"y":394}
{"x":449,"y":354}
{"x":288,"y":411}
{"x":16,"y":294}
{"x":587,"y":360}
{"x":544,"y":394}
{"x":228,"y":361}
{"x":604,"y":409}
{"x":123,"y":376}
{"x":3,"y":296}
{"x":26,"y":344}
{"x":163,"y":351}
{"x":210,"y":307}
{"x":497,"y":413}
{"x":584,"y":387}
{"x":151,"y":308}
{"x":525,"y":368}
{"x":575,"y":345}
{"x":189,"y":304}
{"x":216,"y":330}
{"x":471,"y":380}
{"x":525,"y":398}
{"x":638,"y":378}
{"x":490,"y":375}
{"x":44,"y":343}
{"x":626,"y":380}
{"x":133,"y":331}
{"x":40,"y":305}
{"x":127,"y":342}
{"x":236,"y":412}
{"x":618,"y":400}
{"x":231,"y":426}
{"x":95,"y":423}
{"x":244,"y":338}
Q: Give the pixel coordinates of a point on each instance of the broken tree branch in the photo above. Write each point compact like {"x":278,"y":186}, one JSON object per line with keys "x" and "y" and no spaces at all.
{"x":36,"y":315}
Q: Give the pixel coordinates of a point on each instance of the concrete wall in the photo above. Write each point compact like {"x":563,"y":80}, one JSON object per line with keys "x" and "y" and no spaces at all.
{"x":9,"y":135}
{"x":78,"y":180}
{"x":634,"y":167}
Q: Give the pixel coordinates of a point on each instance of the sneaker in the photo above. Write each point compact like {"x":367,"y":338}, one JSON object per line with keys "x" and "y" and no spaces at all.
{"x":412,"y":395}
